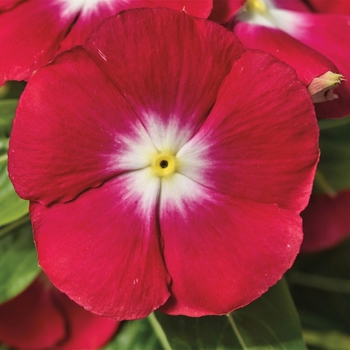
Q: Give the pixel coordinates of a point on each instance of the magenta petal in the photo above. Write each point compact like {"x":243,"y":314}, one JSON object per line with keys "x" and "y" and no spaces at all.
{"x":307,"y":62}
{"x":102,"y":248}
{"x":294,"y":5}
{"x":89,"y":19}
{"x":25,"y":48}
{"x":326,"y":221}
{"x":172,"y":82}
{"x":85,"y":330}
{"x":335,"y":6}
{"x":31,"y":320}
{"x":9,"y":4}
{"x":262,"y":135}
{"x":327,"y":34}
{"x":77,"y":143}
{"x":223,"y":253}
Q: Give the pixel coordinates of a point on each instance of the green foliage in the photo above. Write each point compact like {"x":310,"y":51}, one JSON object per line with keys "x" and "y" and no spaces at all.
{"x":270,"y":322}
{"x":18,"y":259}
{"x":334,"y":167}
{"x":12,"y":207}
{"x":135,"y":335}
{"x":320,"y":285}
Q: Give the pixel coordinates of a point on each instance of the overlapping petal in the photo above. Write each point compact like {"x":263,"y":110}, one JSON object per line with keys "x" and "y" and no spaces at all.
{"x":258,"y":156}
{"x":307,"y":62}
{"x":110,"y":263}
{"x":57,"y":25}
{"x":89,"y":19}
{"x":223,"y":253}
{"x":158,"y":79}
{"x":264,"y":25}
{"x":80,"y":131}
{"x":26,"y":48}
{"x":327,"y":34}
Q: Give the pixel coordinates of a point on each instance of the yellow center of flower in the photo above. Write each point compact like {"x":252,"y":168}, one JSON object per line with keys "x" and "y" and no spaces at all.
{"x":163,"y":164}
{"x":256,"y":6}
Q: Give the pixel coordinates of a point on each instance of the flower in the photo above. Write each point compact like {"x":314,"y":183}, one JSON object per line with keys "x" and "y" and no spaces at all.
{"x":312,"y":43}
{"x":326,"y":221}
{"x":41,"y":317}
{"x":33,"y":32}
{"x":166,"y":167}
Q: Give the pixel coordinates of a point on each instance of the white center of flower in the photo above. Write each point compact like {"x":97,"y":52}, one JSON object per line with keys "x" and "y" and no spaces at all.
{"x":164,"y":163}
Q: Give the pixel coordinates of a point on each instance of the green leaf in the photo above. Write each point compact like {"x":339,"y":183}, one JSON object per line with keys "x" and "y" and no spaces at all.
{"x":12,"y":207}
{"x":320,"y":285}
{"x":334,"y":167}
{"x":18,"y":259}
{"x":135,"y":335}
{"x":270,"y":322}
{"x":7,"y":113}
{"x":12,"y":89}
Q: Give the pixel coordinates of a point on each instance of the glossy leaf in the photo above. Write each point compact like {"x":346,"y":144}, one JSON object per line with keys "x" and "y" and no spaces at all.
{"x":334,"y":167}
{"x":271,"y":322}
{"x":12,"y":207}
{"x":18,"y":259}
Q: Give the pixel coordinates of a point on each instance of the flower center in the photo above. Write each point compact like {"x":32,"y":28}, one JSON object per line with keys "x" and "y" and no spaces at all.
{"x":256,"y":6}
{"x":163,"y":164}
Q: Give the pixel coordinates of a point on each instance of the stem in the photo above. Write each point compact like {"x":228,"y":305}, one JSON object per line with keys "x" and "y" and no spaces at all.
{"x":320,"y":282}
{"x":159,"y":331}
{"x":9,"y":228}
{"x":236,"y":331}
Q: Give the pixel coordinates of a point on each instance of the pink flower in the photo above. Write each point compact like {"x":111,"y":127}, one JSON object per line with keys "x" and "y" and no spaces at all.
{"x":326,"y":221}
{"x":166,"y":166}
{"x":312,"y":43}
{"x":34,"y":31}
{"x":41,"y":317}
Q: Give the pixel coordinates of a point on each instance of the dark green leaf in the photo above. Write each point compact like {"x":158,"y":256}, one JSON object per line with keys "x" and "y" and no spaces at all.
{"x":7,"y":113}
{"x":12,"y":89}
{"x":334,"y":167}
{"x":18,"y":259}
{"x":271,"y":322}
{"x":320,"y":284}
{"x":135,"y":335}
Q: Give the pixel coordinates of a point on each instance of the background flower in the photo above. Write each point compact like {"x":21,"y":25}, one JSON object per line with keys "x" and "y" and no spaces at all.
{"x":312,"y":43}
{"x":33,"y":32}
{"x":41,"y":317}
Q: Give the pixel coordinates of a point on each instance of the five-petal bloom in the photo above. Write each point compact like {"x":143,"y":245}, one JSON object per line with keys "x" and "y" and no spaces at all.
{"x":166,"y":167}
